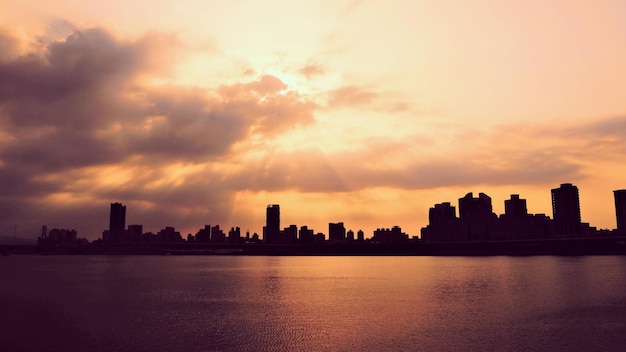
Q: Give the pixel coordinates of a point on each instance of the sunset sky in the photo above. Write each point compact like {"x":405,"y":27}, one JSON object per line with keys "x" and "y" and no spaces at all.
{"x":366,"y":112}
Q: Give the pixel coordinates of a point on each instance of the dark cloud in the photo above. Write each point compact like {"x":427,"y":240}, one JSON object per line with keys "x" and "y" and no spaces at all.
{"x":24,"y":183}
{"x":77,"y":104}
{"x":84,"y":61}
{"x":603,"y":138}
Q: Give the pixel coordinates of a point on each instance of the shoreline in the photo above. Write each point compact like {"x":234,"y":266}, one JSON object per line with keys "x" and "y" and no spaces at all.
{"x":608,"y":245}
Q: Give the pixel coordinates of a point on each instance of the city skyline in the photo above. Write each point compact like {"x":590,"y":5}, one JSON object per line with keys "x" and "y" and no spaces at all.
{"x":476,"y":221}
{"x":358,"y":112}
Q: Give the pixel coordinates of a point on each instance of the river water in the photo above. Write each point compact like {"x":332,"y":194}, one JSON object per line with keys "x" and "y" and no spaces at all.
{"x":241,"y":303}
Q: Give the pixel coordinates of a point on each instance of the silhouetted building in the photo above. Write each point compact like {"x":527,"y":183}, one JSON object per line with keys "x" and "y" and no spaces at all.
{"x":217,"y":235}
{"x":117,"y":222}
{"x":476,"y":215}
{"x":336,"y":232}
{"x":134,"y":232}
{"x":360,"y":236}
{"x":149,"y":237}
{"x":587,"y":230}
{"x":59,"y":238}
{"x":392,"y":235}
{"x":289,"y":234}
{"x":306,"y":235}
{"x":541,"y":226}
{"x":169,"y":235}
{"x":204,"y":235}
{"x":350,"y":236}
{"x":515,"y":207}
{"x":515,"y":222}
{"x":620,"y":210}
{"x":443,"y":225}
{"x":62,"y":236}
{"x":566,"y":210}
{"x":234,"y":235}
{"x":271,"y":231}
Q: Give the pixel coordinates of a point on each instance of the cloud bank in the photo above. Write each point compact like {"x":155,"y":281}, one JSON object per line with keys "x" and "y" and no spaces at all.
{"x":78,"y":106}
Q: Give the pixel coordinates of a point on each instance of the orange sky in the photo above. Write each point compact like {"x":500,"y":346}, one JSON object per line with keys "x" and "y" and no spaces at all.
{"x":366,"y":112}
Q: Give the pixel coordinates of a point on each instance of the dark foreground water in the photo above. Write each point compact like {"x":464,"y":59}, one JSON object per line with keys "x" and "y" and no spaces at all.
{"x":169,"y":303}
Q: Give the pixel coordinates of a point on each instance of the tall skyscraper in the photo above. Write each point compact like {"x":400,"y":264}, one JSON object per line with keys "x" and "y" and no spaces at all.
{"x":620,"y":209}
{"x":117,"y":221}
{"x":271,"y":231}
{"x":566,"y":210}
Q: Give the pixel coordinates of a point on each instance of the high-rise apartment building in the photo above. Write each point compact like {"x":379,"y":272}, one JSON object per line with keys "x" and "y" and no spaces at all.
{"x":442,"y":223}
{"x":566,"y":210}
{"x":515,"y":223}
{"x":271,"y":231}
{"x":620,"y":209}
{"x":336,"y":232}
{"x":476,"y":214}
{"x":515,"y":207}
{"x":117,"y":221}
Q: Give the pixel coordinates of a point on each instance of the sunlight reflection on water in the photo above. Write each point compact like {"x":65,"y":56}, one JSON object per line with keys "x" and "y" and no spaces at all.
{"x":313,"y":303}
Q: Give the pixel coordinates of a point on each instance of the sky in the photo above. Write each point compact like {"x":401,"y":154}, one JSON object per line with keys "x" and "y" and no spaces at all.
{"x":365,"y":112}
